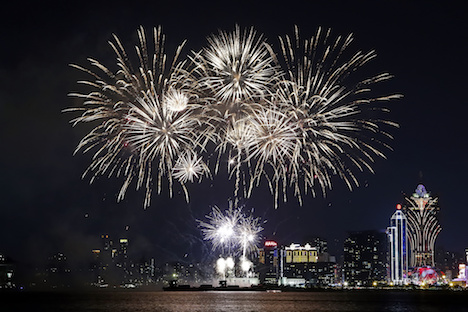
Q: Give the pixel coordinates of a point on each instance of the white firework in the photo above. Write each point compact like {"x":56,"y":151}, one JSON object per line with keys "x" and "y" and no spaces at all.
{"x":189,"y":167}
{"x":249,"y":230}
{"x":220,"y":228}
{"x":135,"y":129}
{"x":232,"y":231}
{"x":176,"y":100}
{"x":329,"y":106}
{"x":296,"y":127}
{"x":236,"y":68}
{"x":275,"y":152}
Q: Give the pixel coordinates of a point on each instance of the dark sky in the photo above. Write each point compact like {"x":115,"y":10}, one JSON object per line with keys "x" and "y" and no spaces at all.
{"x":46,"y":207}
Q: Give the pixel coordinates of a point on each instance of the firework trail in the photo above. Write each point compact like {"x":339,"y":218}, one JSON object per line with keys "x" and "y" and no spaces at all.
{"x":295,"y":121}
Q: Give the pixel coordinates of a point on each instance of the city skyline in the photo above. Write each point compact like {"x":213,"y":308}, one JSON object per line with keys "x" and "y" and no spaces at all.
{"x":49,"y":208}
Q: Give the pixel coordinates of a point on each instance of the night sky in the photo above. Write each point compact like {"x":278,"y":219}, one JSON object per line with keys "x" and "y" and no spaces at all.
{"x":46,"y":207}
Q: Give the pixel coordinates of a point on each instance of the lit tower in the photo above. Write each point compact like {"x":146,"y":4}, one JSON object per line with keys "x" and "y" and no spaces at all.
{"x":398,"y":242}
{"x":423,"y":226}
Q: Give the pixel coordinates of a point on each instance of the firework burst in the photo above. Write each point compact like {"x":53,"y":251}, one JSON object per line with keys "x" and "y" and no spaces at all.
{"x":330,"y":111}
{"x":235,"y":68}
{"x":249,"y":230}
{"x":189,"y":167}
{"x":232,"y":231}
{"x":295,"y":127}
{"x":220,"y":228}
{"x":146,"y":117}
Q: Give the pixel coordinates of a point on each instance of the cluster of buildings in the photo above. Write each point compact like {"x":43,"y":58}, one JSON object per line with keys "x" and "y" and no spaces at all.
{"x":111,"y":265}
{"x":403,"y":254}
{"x":296,"y":265}
{"x":364,"y":262}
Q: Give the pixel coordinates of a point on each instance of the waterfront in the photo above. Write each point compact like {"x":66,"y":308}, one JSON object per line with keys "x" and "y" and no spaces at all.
{"x":225,"y":301}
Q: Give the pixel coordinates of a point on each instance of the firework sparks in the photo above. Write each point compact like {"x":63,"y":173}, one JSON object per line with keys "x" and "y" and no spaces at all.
{"x":297,"y":127}
{"x":232,"y":231}
{"x":236,"y":67}
{"x":189,"y":167}
{"x":176,"y":100}
{"x":136,"y":127}
{"x":220,"y":228}
{"x":249,"y":235}
{"x":328,"y":110}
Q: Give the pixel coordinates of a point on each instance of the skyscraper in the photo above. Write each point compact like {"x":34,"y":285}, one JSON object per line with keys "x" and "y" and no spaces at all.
{"x":365,"y":258}
{"x":421,"y":212}
{"x":398,"y":242}
{"x":268,"y":266}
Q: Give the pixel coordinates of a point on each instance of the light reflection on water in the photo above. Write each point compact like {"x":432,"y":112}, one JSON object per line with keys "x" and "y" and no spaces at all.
{"x":238,"y":301}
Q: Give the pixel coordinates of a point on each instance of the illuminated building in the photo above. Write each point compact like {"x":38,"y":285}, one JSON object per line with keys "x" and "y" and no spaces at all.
{"x":365,"y":258}
{"x":462,"y":276}
{"x":319,"y":243}
{"x":421,"y":212}
{"x":296,"y":253}
{"x":106,"y":263}
{"x":121,"y":260}
{"x":462,"y":271}
{"x":297,"y":264}
{"x":268,"y":263}
{"x":448,"y":261}
{"x":307,"y":265}
{"x":122,"y":256}
{"x":398,"y":242}
{"x":107,"y":246}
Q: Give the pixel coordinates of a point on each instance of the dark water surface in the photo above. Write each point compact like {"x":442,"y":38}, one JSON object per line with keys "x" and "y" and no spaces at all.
{"x":362,"y":300}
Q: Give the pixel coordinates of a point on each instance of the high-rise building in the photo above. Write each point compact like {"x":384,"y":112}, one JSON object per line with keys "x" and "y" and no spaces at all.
{"x":365,"y":258}
{"x":321,"y":245}
{"x":447,"y":261}
{"x":398,"y":242}
{"x":268,"y":263}
{"x":421,"y":212}
{"x":297,"y":264}
{"x":122,"y":261}
{"x":318,"y":242}
{"x":110,"y":263}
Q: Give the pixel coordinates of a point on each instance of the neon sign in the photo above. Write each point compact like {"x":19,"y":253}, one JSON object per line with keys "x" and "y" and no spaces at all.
{"x":270,"y":244}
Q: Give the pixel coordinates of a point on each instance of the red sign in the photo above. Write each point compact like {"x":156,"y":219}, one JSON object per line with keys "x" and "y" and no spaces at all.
{"x":270,"y":244}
